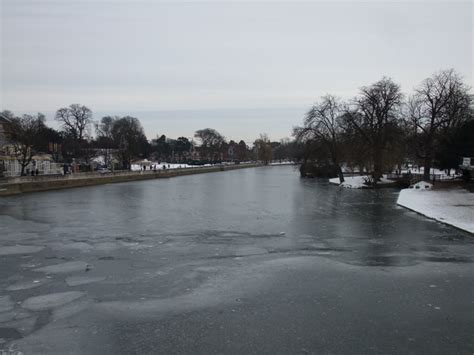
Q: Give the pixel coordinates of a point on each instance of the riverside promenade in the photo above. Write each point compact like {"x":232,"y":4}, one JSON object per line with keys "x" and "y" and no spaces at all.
{"x":25,"y":184}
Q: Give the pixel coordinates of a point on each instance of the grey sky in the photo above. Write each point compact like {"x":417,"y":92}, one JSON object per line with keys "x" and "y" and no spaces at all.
{"x":240,"y":67}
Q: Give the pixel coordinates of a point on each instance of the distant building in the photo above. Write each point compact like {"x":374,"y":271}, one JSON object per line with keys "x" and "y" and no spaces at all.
{"x":4,"y":121}
{"x":467,"y":167}
{"x":467,"y":163}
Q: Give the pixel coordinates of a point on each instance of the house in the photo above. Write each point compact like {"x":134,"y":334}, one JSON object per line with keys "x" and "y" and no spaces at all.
{"x":41,"y":162}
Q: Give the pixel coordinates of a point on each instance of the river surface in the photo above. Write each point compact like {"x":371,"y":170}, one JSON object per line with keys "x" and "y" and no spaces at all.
{"x":245,"y":261}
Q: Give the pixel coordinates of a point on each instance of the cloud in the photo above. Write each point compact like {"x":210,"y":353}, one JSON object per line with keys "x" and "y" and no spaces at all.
{"x":152,"y":56}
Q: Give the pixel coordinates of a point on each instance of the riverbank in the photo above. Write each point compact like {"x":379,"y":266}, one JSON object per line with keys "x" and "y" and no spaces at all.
{"x":359,"y":182}
{"x":27,"y":184}
{"x":452,"y":206}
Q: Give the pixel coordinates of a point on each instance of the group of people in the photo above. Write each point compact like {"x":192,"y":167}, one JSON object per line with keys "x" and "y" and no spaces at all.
{"x":33,"y":172}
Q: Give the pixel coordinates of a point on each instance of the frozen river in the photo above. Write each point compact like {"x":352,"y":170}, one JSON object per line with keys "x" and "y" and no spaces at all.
{"x":246,"y":261}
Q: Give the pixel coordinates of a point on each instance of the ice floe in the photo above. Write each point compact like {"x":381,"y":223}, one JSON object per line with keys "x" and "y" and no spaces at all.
{"x":13,"y":315}
{"x":6,"y":303}
{"x":52,"y":300}
{"x":82,"y":280}
{"x":20,"y":249}
{"x":25,"y":285}
{"x":70,"y":309}
{"x":70,"y":266}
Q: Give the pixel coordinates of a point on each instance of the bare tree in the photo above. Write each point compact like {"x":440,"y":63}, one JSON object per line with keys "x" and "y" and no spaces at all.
{"x":324,"y":123}
{"x":211,"y":142}
{"x":23,"y":133}
{"x":104,"y":142}
{"x":440,"y":103}
{"x":7,"y":114}
{"x":75,"y":120}
{"x":128,"y":135}
{"x":375,"y":117}
{"x":263,"y":147}
{"x":104,"y":127}
{"x":242,"y":151}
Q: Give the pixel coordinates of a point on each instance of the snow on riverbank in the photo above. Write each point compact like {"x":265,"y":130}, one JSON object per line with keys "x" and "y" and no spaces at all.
{"x":282,"y":163}
{"x":358,"y":182}
{"x":164,"y":166}
{"x":452,"y":206}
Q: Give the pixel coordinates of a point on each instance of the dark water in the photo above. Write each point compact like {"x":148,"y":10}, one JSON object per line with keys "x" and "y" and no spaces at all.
{"x":187,"y":246}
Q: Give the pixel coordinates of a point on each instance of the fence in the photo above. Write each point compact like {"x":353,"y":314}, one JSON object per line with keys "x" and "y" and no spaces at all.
{"x":413,"y":178}
{"x":45,"y":167}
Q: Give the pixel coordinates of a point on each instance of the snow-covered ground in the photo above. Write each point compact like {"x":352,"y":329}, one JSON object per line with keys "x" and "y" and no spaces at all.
{"x":161,"y":166}
{"x":439,"y":173}
{"x":282,"y":163}
{"x":358,"y":182}
{"x":452,"y":206}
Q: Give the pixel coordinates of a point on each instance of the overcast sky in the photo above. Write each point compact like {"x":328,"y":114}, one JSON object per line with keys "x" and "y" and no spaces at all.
{"x":240,"y":67}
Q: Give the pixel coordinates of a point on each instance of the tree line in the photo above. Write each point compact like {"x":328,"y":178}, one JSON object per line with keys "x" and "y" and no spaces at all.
{"x":122,"y":139}
{"x":381,"y":129}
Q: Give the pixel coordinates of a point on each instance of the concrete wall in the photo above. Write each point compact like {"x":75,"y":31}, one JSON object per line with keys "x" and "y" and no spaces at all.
{"x":25,"y":184}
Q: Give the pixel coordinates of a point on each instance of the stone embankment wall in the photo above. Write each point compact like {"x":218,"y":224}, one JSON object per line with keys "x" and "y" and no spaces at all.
{"x":25,"y":184}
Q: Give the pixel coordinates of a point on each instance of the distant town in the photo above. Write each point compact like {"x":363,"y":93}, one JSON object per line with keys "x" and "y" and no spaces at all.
{"x":380,"y":131}
{"x":29,"y":147}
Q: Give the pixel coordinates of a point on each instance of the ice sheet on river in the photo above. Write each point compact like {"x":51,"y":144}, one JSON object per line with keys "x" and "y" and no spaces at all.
{"x":70,"y":266}
{"x":20,"y":249}
{"x":13,"y":315}
{"x":6,"y":303}
{"x":82,"y":280}
{"x":25,"y":285}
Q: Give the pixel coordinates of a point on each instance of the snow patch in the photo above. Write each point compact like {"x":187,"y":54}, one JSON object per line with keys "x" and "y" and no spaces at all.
{"x":358,"y":182}
{"x":422,"y":185}
{"x":165,"y":166}
{"x":51,"y":300}
{"x":453,"y":206}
